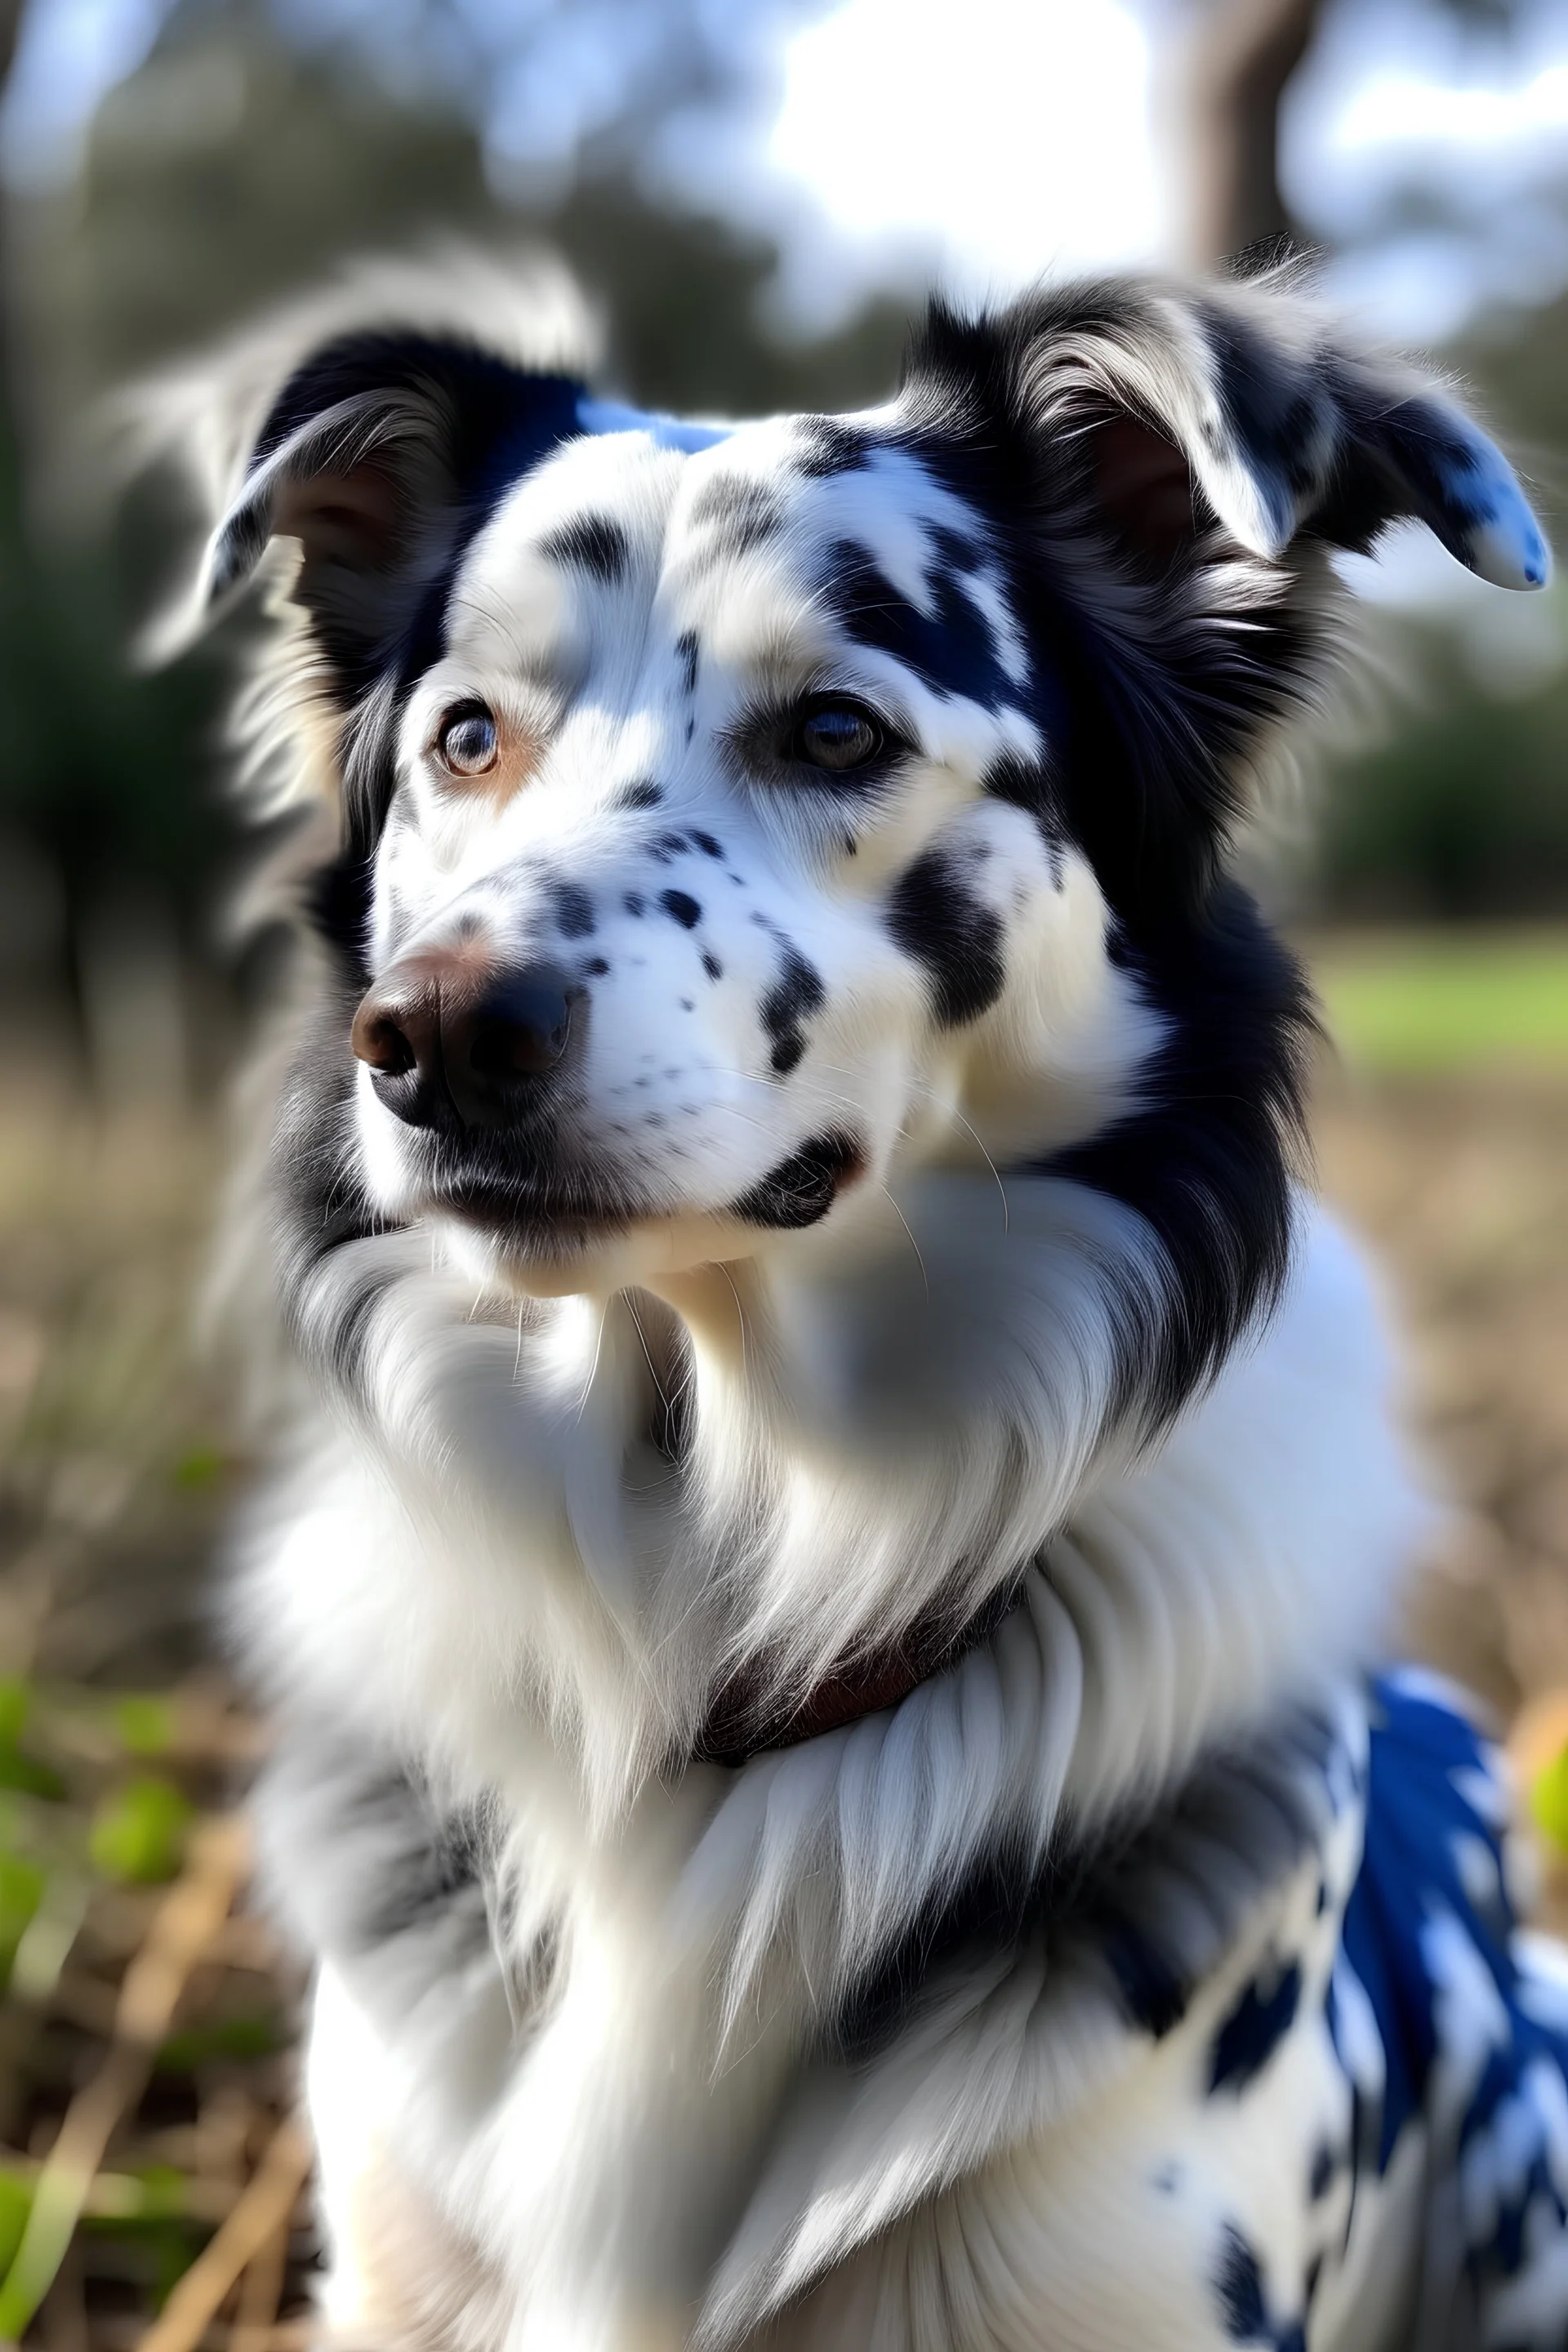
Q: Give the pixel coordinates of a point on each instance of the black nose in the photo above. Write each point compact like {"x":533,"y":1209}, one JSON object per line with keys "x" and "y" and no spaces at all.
{"x":438,"y":1045}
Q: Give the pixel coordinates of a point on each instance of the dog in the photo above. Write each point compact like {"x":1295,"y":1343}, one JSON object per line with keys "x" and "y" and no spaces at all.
{"x":829,"y":1582}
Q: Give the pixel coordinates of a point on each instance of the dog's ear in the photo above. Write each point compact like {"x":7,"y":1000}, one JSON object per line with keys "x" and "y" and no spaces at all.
{"x":376,"y":455}
{"x":1236,"y":404}
{"x":1170,"y":468}
{"x":372,"y":424}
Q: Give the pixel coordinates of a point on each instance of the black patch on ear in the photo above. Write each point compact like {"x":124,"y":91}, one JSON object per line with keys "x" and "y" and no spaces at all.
{"x":794,"y":996}
{"x":802,"y":1189}
{"x":938,"y":923}
{"x":593,"y":544}
{"x":1208,"y":1159}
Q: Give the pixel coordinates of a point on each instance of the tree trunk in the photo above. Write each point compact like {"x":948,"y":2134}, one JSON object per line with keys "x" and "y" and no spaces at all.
{"x":1240,"y":55}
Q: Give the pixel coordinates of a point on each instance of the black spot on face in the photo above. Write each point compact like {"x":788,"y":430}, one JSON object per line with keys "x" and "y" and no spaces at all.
{"x":952,"y":649}
{"x":1024,"y":784}
{"x":794,"y":996}
{"x":574,"y":910}
{"x":802,"y":1189}
{"x":682,"y":908}
{"x":593,"y":544}
{"x":597,"y":968}
{"x":634,"y":902}
{"x":686,"y":647}
{"x":711,"y":965}
{"x":706,"y":844}
{"x":672,"y":843}
{"x":938,"y":923}
{"x":640,"y":795}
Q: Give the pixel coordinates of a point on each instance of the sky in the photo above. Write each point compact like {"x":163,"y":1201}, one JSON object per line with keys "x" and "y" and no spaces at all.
{"x":890,"y":141}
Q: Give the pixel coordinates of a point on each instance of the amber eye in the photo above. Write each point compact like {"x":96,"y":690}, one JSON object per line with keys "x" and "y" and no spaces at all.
{"x":838,"y":736}
{"x":468,"y":743}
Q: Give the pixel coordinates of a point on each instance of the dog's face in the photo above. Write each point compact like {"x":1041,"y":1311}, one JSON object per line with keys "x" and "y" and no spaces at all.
{"x":742,"y":816}
{"x":704,"y":894}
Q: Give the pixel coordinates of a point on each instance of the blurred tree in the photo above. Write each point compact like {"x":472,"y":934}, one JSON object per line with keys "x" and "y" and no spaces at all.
{"x":1232,"y":62}
{"x":1236,"y":66}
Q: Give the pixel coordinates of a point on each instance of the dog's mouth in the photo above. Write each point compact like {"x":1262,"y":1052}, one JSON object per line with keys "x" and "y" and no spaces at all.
{"x":540,"y":1219}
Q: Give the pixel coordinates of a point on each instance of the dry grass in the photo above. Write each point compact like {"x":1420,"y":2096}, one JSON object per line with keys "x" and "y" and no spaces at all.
{"x":145,"y":2073}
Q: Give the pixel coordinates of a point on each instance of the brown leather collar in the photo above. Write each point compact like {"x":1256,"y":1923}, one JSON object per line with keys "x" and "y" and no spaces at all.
{"x":741,"y":1723}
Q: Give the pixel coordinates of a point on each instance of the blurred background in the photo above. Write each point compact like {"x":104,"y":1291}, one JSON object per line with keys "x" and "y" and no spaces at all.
{"x":755,"y":191}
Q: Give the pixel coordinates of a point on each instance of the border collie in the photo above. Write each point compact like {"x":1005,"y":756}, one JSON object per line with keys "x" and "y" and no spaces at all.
{"x":829,"y":1580}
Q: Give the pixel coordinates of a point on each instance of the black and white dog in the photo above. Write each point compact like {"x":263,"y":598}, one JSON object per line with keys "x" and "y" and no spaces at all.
{"x":827,"y":1583}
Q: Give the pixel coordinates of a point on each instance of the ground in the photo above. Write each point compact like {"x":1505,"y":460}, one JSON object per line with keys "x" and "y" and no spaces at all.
{"x":149,"y":2010}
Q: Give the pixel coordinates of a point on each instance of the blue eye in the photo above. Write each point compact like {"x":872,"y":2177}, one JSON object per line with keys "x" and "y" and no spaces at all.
{"x":469,"y":744}
{"x":837,"y":736}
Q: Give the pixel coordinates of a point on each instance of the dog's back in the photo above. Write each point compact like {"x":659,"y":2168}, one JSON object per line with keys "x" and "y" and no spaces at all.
{"x":844,"y":1502}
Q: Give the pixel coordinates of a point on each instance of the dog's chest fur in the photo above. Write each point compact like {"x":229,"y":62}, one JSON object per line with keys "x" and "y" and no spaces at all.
{"x":840,"y":1502}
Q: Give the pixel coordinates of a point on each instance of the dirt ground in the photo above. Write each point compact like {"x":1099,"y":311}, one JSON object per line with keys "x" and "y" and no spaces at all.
{"x":146,"y":2155}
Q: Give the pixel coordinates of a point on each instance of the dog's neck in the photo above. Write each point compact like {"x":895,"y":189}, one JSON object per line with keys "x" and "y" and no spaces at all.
{"x":556,"y":1603}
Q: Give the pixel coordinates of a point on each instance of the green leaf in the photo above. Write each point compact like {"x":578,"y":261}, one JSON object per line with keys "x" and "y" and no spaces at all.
{"x":201,"y":1468}
{"x":1548,"y":1800}
{"x":137,"y":1832}
{"x":16,"y":2204}
{"x":15,"y":1704}
{"x":231,"y":2037}
{"x":144,"y":1724}
{"x":22,"y":1884}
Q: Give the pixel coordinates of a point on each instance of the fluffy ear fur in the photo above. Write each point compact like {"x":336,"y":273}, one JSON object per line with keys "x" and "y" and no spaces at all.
{"x":1179,"y":460}
{"x":372,"y":424}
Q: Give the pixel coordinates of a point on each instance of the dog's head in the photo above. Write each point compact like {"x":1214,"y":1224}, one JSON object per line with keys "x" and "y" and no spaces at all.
{"x":734,"y":817}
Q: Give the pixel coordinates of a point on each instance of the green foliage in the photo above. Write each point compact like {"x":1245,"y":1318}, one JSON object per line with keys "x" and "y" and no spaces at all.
{"x":1447,"y":1001}
{"x":1461,"y":811}
{"x":22,"y":1885}
{"x":16,"y":2204}
{"x":138,"y":1832}
{"x":1548,"y":1800}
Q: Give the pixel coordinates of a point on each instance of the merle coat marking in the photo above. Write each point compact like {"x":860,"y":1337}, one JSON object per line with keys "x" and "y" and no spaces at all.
{"x":840,"y":1507}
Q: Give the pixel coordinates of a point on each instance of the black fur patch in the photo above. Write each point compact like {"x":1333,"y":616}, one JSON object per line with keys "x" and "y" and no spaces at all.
{"x":938,"y":923}
{"x":796,"y":993}
{"x":802,"y":1189}
{"x":830,"y":445}
{"x":1113,"y":1897}
{"x":686,"y":647}
{"x":1258,"y":2021}
{"x":592,"y":543}
{"x":1208,"y":1160}
{"x":737,"y":514}
{"x":683,"y":908}
{"x":573,"y":908}
{"x":953,"y":650}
